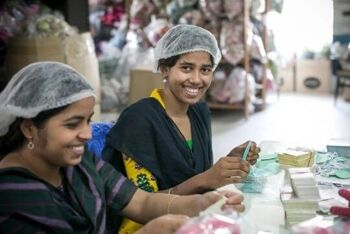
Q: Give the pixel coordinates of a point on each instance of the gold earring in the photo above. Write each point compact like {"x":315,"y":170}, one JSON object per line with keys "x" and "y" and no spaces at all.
{"x":30,"y":145}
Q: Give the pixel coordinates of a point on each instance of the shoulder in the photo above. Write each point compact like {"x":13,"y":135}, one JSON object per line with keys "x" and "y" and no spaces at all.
{"x":145,"y":109}
{"x":13,"y":180}
{"x":15,"y":175}
{"x":201,"y":109}
{"x":142,"y":105}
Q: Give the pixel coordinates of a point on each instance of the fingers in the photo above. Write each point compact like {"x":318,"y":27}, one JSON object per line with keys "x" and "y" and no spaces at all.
{"x":231,"y":174}
{"x":227,"y":170}
{"x":253,"y":154}
{"x":233,"y":163}
{"x":253,"y":151}
{"x":239,"y":208}
{"x":234,"y":201}
{"x":344,"y":193}
{"x":343,"y":211}
{"x":230,"y":170}
{"x":232,"y":197}
{"x":252,"y":162}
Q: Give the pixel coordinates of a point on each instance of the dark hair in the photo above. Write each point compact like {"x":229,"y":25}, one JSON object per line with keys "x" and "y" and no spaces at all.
{"x":14,"y":138}
{"x":171,"y":61}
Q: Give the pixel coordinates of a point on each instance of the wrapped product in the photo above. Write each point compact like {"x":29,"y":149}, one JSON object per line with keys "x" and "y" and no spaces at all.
{"x":213,"y":9}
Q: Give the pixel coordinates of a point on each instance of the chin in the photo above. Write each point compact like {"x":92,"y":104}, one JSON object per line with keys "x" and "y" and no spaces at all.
{"x":192,"y":101}
{"x":74,"y":161}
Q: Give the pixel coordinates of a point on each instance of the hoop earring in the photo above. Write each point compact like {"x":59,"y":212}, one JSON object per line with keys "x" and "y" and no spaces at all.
{"x":30,"y":145}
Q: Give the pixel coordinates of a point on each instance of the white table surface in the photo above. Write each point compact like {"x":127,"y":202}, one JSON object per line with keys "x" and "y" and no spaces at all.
{"x":264,"y":211}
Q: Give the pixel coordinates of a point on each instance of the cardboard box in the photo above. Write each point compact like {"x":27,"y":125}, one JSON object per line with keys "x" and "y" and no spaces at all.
{"x":77,"y":51}
{"x":347,"y":94}
{"x":142,"y":82}
{"x":287,"y":79}
{"x":313,"y":75}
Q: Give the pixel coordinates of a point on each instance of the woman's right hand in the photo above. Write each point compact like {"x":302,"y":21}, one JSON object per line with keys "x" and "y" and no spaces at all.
{"x":226,"y":170}
{"x":164,"y":224}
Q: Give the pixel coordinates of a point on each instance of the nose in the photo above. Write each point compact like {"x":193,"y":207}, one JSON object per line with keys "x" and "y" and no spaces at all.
{"x":86,"y":133}
{"x":196,"y":77}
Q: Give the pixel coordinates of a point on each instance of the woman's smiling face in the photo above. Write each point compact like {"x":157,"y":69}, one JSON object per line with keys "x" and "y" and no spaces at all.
{"x":61,"y":141}
{"x":190,"y":77}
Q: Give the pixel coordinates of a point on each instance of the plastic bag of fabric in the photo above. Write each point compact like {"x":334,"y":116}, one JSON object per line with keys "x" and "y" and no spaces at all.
{"x":212,"y":223}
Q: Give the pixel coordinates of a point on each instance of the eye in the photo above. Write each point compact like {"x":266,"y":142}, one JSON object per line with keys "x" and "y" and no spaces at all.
{"x":186,"y":68}
{"x":72,"y":125}
{"x":89,"y":121}
{"x":207,"y":70}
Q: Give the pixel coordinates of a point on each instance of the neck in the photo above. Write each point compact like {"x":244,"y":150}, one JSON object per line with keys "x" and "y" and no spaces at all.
{"x":39,"y":166}
{"x":174,"y":107}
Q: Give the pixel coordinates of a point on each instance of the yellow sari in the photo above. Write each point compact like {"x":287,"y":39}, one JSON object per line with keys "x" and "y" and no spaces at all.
{"x":141,"y":177}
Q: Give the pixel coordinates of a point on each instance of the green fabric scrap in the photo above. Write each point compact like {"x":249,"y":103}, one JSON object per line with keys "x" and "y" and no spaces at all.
{"x":268,"y":156}
{"x":343,"y":174}
{"x":264,"y":163}
{"x":321,"y":158}
{"x":256,"y":179}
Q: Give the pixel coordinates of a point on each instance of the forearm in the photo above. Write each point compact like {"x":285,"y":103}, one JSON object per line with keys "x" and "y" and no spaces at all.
{"x":194,"y":185}
{"x":144,"y":206}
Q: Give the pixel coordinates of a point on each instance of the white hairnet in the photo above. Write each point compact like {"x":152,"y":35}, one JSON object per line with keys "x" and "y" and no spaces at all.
{"x":185,"y":38}
{"x":38,"y":87}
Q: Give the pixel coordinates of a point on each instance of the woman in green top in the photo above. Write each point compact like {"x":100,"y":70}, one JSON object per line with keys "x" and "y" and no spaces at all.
{"x":169,"y":133}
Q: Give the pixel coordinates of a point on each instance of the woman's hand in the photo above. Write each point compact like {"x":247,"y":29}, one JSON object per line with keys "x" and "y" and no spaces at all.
{"x":339,"y":210}
{"x":226,"y":170}
{"x":234,"y":200}
{"x":163,"y":224}
{"x":253,"y":154}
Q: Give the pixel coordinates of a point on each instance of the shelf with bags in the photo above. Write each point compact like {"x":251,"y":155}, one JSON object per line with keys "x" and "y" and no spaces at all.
{"x":258,"y":101}
{"x":244,"y":104}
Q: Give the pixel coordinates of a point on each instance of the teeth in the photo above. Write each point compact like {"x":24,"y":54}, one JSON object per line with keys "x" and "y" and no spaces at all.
{"x":192,"y":90}
{"x":78,"y":149}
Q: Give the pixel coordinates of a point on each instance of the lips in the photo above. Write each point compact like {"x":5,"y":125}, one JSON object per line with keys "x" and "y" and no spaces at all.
{"x":78,"y":150}
{"x":192,"y":91}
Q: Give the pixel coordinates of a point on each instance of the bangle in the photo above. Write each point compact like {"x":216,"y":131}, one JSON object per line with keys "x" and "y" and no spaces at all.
{"x":171,"y":201}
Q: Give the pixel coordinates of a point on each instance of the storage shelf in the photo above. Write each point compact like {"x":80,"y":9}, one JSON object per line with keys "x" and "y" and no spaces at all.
{"x":261,"y":87}
{"x":230,"y":106}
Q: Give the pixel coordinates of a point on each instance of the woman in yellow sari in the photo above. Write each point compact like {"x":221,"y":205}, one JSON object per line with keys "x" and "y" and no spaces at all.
{"x":163,"y":143}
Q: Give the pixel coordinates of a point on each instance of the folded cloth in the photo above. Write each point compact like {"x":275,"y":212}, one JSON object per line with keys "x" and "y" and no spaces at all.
{"x":97,"y":141}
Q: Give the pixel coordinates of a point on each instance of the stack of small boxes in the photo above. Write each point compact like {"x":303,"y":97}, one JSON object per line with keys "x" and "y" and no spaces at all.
{"x":300,"y":198}
{"x":296,"y":158}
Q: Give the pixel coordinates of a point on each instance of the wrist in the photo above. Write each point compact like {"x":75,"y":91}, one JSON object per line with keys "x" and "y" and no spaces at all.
{"x":205,"y":182}
{"x":170,"y":203}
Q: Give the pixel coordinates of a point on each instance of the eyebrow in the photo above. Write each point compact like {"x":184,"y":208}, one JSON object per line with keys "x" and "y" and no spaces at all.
{"x":191,"y":64}
{"x":78,"y":117}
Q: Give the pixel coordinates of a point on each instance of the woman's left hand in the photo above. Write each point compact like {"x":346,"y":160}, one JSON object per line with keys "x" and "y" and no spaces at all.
{"x":234,"y":200}
{"x":253,"y":154}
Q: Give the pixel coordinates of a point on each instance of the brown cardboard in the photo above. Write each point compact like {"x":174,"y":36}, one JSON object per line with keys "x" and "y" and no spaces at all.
{"x":347,"y":94}
{"x":22,"y":51}
{"x":77,"y":51}
{"x":80,"y":54}
{"x":319,"y":69}
{"x":142,"y":82}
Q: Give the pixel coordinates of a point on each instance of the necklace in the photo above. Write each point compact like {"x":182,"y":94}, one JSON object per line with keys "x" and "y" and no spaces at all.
{"x":61,"y":186}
